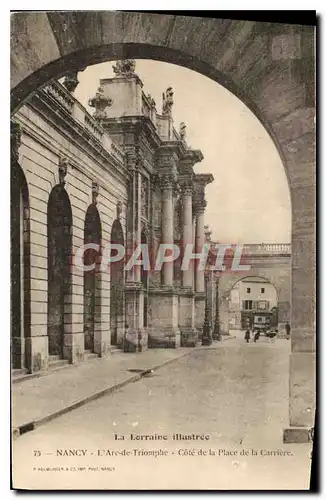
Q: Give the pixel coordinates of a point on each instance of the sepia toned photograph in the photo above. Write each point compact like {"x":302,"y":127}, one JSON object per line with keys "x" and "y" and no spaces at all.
{"x":162,"y":251}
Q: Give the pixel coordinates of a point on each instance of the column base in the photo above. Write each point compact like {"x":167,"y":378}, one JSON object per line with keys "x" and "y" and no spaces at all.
{"x":163,"y":330}
{"x":297,"y":435}
{"x":74,"y":347}
{"x":189,"y":337}
{"x":37,"y":353}
{"x":102,"y":341}
{"x":164,"y":337}
{"x":135,"y":340}
{"x":199,"y":312}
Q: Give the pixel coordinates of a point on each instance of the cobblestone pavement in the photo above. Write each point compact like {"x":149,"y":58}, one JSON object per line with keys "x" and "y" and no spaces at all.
{"x":237,"y":395}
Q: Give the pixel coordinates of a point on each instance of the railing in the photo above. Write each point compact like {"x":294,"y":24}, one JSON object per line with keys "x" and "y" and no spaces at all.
{"x":60,"y":94}
{"x":175,"y":135}
{"x":267,"y":248}
{"x":57,"y":91}
{"x":146,"y":108}
{"x":93,"y":127}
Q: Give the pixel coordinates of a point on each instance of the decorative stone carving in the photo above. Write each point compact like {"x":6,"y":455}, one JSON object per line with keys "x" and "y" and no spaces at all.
{"x":144,"y":197}
{"x":100,"y":103}
{"x":71,"y":81}
{"x":125,"y":67}
{"x":176,"y":192}
{"x":199,"y":203}
{"x":208,"y":233}
{"x":15,"y":140}
{"x":186,"y":186}
{"x":166,"y":181}
{"x":95,"y":191}
{"x":182,"y":131}
{"x":167,"y":102}
{"x":63,"y":169}
{"x":119,"y":210}
{"x":151,"y":100}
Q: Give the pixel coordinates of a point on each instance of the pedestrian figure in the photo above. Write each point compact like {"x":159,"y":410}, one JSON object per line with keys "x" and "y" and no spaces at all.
{"x":272,"y":335}
{"x":288,"y":330}
{"x":247,"y":336}
{"x":257,"y":335}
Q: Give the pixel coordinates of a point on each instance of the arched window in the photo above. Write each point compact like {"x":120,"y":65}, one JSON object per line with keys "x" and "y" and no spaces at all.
{"x":59,"y":273}
{"x":20,"y":267}
{"x":92,"y":279}
{"x":117,"y":301}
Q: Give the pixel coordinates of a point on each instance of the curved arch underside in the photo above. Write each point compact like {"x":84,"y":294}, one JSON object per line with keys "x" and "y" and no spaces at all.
{"x":270,"y":67}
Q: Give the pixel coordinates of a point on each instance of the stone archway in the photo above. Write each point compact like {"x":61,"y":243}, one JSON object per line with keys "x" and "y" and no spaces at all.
{"x":92,"y":279}
{"x":59,"y":221}
{"x":117,"y":299}
{"x":270,"y":67}
{"x":20,"y":268}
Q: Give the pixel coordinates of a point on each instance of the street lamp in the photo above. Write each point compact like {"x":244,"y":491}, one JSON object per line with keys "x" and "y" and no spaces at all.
{"x":207,"y":337}
{"x":217,"y":334}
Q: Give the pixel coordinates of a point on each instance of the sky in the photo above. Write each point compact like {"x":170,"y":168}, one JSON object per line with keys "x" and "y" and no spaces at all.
{"x":249,"y":200}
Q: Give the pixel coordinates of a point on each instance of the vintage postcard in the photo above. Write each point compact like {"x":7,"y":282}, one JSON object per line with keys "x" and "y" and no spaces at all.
{"x":162,"y":251}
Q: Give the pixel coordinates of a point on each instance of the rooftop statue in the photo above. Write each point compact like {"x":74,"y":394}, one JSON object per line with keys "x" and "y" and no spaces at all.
{"x":182,"y":131}
{"x":125,"y":67}
{"x":167,"y":102}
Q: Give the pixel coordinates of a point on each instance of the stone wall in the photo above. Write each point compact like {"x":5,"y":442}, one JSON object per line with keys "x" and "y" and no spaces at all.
{"x":43,"y":144}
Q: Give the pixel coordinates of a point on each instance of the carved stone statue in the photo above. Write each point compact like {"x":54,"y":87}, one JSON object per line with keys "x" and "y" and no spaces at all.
{"x":208,"y":233}
{"x":119,"y":210}
{"x":71,"y":81}
{"x":125,"y":67}
{"x":95,"y":192}
{"x":100,"y":103}
{"x":167,"y":102}
{"x":182,"y":131}
{"x":63,"y":169}
{"x":151,"y":100}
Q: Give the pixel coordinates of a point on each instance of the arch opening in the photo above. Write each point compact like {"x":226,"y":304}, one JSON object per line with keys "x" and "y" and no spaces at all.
{"x":59,"y":221}
{"x":252,"y":303}
{"x":20,"y":268}
{"x":92,"y":279}
{"x":117,"y":298}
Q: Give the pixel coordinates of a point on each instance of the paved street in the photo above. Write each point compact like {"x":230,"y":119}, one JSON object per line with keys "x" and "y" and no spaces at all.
{"x":236,"y":395}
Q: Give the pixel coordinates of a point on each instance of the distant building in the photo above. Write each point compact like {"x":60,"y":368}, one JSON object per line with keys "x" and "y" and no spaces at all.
{"x":253,"y":302}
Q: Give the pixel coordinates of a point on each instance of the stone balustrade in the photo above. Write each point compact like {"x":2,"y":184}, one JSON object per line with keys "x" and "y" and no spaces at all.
{"x":57,"y":91}
{"x":61,"y":95}
{"x":267,"y":248}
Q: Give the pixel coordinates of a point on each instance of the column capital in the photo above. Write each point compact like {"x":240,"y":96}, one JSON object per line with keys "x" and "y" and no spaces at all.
{"x":186,"y":185}
{"x":164,"y":181}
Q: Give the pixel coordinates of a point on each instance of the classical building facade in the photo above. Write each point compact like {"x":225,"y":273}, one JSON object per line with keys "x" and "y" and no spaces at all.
{"x":122,"y":176}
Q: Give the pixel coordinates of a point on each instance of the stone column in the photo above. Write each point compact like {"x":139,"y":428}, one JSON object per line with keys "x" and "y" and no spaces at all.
{"x":199,"y":274}
{"x":167,"y":227}
{"x":164,"y":331}
{"x":199,"y":244}
{"x":133,"y":291}
{"x":189,"y":335}
{"x":187,"y":233}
